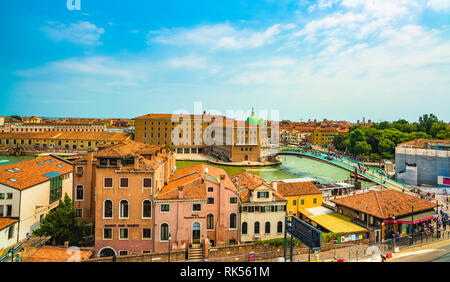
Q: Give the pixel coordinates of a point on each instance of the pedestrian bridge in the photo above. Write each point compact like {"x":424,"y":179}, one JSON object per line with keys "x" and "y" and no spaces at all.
{"x":371,"y":174}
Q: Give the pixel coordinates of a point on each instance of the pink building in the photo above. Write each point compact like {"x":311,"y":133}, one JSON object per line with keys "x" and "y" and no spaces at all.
{"x":200,"y":203}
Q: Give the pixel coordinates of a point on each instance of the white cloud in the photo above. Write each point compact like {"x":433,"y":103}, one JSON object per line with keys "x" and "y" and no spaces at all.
{"x":82,"y":32}
{"x":218,"y":37}
{"x":188,"y":62}
{"x":439,"y":5}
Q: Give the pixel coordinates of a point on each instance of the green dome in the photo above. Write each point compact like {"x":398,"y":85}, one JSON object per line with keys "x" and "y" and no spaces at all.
{"x":253,"y":119}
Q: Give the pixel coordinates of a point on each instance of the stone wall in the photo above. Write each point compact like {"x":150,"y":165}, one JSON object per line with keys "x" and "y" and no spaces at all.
{"x":150,"y":257}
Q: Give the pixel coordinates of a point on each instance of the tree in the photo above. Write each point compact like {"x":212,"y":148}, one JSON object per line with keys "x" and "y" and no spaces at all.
{"x":426,"y":122}
{"x":339,"y":142}
{"x":440,"y":128}
{"x":61,"y":225}
{"x":362,"y":148}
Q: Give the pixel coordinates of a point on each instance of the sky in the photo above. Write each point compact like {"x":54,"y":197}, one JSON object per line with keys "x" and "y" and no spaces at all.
{"x":305,"y":59}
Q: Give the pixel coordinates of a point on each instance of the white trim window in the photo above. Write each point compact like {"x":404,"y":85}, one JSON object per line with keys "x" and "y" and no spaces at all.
{"x":79,"y":193}
{"x":164,"y":232}
{"x":107,"y":234}
{"x":123,"y":234}
{"x":165,"y":208}
{"x":147,"y":183}
{"x":108,"y":210}
{"x":124,"y":209}
{"x":146,"y":233}
{"x":146,"y":209}
{"x":79,"y":213}
{"x":108,"y":182}
{"x":123,"y":182}
{"x":233,"y":221}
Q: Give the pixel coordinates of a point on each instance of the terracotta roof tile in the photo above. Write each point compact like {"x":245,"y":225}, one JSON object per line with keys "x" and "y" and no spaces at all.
{"x":30,"y":173}
{"x":56,"y":254}
{"x":385,"y":203}
{"x":287,"y":189}
{"x":5,"y":222}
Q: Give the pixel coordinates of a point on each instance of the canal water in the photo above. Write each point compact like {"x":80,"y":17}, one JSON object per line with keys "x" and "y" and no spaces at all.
{"x":291,"y":167}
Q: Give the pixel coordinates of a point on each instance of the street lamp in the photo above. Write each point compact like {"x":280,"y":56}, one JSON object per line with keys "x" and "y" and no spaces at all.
{"x":170,"y":238}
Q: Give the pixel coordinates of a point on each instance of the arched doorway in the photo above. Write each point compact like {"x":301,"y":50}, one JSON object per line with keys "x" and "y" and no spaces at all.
{"x":196,"y":232}
{"x":107,"y":252}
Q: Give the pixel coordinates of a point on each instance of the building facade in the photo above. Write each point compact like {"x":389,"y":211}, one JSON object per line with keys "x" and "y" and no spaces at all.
{"x":115,"y":187}
{"x":423,"y":162}
{"x":199,"y":203}
{"x":262,"y":211}
{"x":31,"y":189}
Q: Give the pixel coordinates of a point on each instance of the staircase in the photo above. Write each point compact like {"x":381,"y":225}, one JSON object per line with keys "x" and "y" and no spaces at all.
{"x":195,"y":252}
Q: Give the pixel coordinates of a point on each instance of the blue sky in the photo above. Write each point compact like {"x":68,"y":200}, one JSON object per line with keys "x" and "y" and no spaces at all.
{"x":334,"y":59}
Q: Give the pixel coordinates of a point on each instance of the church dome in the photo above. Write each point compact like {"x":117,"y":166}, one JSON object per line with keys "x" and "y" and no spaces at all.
{"x":253,"y":119}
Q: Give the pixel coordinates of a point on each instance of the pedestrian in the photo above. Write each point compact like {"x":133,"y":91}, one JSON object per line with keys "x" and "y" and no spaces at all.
{"x":28,"y":236}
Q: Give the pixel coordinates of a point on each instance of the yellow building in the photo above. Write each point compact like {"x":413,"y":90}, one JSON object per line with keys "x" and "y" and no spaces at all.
{"x":324,"y":136}
{"x":299,"y":196}
{"x":50,"y":140}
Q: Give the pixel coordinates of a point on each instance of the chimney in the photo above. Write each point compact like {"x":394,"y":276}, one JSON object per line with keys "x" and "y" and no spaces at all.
{"x":275,"y":184}
{"x":180,"y":192}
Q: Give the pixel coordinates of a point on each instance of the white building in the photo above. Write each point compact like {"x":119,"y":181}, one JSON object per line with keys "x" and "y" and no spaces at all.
{"x":8,"y":232}
{"x":30,"y":189}
{"x":263,"y":210}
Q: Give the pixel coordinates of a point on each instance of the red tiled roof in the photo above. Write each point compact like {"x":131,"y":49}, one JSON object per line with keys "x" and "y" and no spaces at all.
{"x":31,"y":173}
{"x":193,"y":180}
{"x":247,"y":182}
{"x":385,"y":203}
{"x":56,"y":254}
{"x":5,"y":222}
{"x":288,"y":189}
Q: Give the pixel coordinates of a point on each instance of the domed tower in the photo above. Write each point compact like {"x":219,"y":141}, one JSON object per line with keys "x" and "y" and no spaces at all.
{"x":253,"y":119}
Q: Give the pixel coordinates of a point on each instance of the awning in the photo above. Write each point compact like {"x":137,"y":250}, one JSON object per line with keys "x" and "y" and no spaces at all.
{"x":418,"y":218}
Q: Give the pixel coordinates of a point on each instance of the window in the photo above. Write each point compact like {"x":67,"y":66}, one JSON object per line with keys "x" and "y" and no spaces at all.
{"x":123,"y":209}
{"x":9,"y":196}
{"x":147,"y":183}
{"x":210,"y":189}
{"x":280,"y":227}
{"x":314,"y":201}
{"x":233,"y":200}
{"x":210,"y":201}
{"x":113,"y":162}
{"x":244,"y":228}
{"x":257,"y":227}
{"x":146,"y":209}
{"x":11,"y":232}
{"x":55,"y":189}
{"x":146,"y":233}
{"x":302,"y":202}
{"x":164,"y":208}
{"x":103,"y":162}
{"x":123,"y":253}
{"x":123,"y":182}
{"x":210,"y":222}
{"x":79,"y":193}
{"x":267,"y":229}
{"x":107,"y":233}
{"x":123,"y":233}
{"x":263,"y":194}
{"x":2,"y":209}
{"x":294,"y":202}
{"x":233,"y":221}
{"x":196,"y":207}
{"x":108,"y":209}
{"x":2,"y":196}
{"x":78,"y":212}
{"x":107,"y":182}
{"x":164,"y":236}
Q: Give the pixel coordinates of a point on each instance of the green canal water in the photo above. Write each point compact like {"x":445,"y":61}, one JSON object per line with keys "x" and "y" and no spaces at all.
{"x":291,"y":167}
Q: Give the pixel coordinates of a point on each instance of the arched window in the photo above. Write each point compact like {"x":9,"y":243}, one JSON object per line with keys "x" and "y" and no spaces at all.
{"x":210,"y":221}
{"x":79,"y":193}
{"x":233,"y":222}
{"x":257,"y":227}
{"x":123,"y":209}
{"x":267,"y":228}
{"x":280,"y":227}
{"x":164,"y":232}
{"x":108,"y":209}
{"x":244,"y":228}
{"x":146,"y":209}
